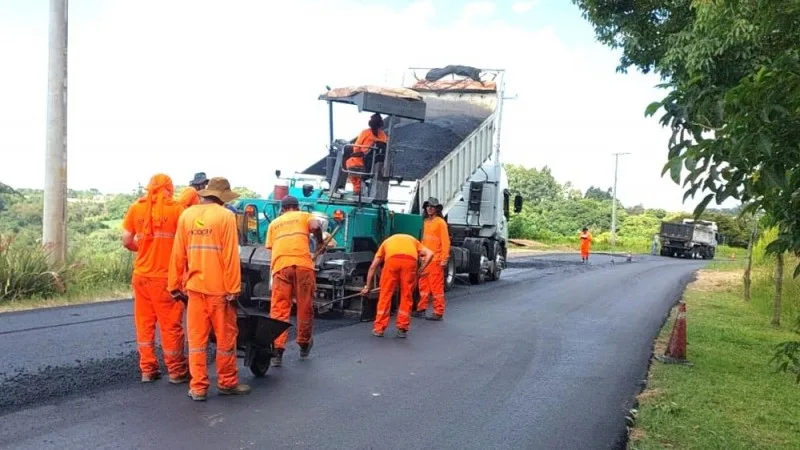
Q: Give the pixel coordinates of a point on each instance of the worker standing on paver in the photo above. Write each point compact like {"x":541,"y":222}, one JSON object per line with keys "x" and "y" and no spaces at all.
{"x":207,"y":249}
{"x":365,"y":140}
{"x":149,"y":229}
{"x":400,"y":255}
{"x":436,"y":237}
{"x":293,"y":274}
{"x":586,"y":244}
{"x":188,"y":196}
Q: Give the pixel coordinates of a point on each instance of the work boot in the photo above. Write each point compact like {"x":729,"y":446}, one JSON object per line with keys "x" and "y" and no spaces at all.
{"x":149,"y":378}
{"x":377,"y":333}
{"x":277,"y":361}
{"x":401,"y":333}
{"x":419,"y":314}
{"x":435,"y":316}
{"x":179,"y":380}
{"x":306,"y":348}
{"x":197,"y":396}
{"x":241,"y":389}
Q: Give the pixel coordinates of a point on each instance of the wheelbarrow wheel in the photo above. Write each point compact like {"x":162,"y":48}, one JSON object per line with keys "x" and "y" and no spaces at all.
{"x":260,"y":364}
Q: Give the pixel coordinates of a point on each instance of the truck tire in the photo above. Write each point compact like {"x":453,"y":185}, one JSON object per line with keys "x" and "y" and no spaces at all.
{"x":450,"y":275}
{"x":497,"y":265}
{"x":481,"y":275}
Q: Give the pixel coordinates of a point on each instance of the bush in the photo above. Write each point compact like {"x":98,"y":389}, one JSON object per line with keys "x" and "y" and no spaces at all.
{"x":25,"y":272}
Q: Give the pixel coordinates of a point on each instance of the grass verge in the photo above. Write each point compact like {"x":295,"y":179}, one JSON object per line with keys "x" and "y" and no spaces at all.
{"x":731,"y":398}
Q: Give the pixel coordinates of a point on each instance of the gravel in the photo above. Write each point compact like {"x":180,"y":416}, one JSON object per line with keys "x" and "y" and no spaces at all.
{"x":421,"y":146}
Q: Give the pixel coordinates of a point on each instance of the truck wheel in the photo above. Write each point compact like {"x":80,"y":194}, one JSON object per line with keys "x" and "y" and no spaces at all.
{"x":260,"y":364}
{"x":483,"y":269}
{"x":450,"y":275}
{"x":498,"y":262}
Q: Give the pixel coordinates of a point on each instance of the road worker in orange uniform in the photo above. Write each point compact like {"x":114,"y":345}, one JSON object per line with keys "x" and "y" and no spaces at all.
{"x":188,"y":196}
{"x":400,"y":255}
{"x":436,"y":237}
{"x":363,"y":143}
{"x":149,"y":229}
{"x":206,"y":254}
{"x":293,"y":274}
{"x":586,"y":244}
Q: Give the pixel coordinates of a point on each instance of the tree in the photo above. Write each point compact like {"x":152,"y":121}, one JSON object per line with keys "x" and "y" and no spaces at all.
{"x":534,"y":185}
{"x":595,"y":193}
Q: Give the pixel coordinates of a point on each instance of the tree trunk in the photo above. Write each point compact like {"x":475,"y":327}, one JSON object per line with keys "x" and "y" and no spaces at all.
{"x":776,"y":305}
{"x":747,"y":279}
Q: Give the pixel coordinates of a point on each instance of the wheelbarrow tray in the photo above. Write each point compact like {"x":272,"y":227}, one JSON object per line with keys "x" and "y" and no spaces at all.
{"x":257,"y":333}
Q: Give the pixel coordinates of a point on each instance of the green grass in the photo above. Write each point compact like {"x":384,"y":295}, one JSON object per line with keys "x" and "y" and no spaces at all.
{"x":731,"y":398}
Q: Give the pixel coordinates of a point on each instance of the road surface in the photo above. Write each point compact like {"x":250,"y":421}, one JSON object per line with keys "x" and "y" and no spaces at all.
{"x":548,"y":357}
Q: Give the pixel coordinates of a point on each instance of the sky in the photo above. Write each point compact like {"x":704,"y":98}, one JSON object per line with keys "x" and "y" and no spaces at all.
{"x":182,"y":86}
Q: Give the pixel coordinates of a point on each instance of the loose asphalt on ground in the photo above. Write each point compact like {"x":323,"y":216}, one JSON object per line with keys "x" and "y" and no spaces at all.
{"x":550,"y":356}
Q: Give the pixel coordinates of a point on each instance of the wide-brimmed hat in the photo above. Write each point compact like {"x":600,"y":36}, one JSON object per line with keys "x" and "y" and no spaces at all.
{"x":220,"y":188}
{"x":432,"y":201}
{"x":199,"y":178}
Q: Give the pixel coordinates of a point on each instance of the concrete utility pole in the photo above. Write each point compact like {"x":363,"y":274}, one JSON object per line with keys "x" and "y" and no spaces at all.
{"x":55,"y":179}
{"x":614,"y":203}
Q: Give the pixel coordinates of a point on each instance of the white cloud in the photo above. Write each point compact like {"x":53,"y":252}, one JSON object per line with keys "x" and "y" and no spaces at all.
{"x":523,"y":7}
{"x":233,"y":91}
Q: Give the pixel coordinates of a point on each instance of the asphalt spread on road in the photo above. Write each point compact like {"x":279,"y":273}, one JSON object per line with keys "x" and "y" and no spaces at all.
{"x":550,"y":356}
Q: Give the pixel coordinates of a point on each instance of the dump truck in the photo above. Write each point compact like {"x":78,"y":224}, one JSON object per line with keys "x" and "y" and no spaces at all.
{"x":689,"y":239}
{"x":443,"y":137}
{"x":453,"y":156}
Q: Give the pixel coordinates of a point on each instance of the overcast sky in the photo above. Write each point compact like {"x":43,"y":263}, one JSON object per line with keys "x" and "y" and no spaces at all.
{"x":180,"y":86}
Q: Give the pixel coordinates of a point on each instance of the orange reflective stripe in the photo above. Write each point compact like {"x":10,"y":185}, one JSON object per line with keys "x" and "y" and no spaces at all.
{"x":215,"y":248}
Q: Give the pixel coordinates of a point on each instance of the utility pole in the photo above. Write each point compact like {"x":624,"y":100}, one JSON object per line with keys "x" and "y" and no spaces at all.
{"x":55,"y":180}
{"x":614,"y":204}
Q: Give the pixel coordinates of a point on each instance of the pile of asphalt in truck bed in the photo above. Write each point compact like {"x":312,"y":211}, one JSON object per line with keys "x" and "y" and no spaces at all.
{"x":421,"y":146}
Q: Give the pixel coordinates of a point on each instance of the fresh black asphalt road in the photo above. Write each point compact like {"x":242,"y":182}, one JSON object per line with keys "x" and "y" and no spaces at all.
{"x":548,"y":357}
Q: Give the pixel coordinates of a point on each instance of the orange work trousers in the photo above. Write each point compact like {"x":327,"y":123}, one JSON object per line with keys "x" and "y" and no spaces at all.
{"x":397,"y":270}
{"x":206,"y":313}
{"x":153,"y":305}
{"x":584,"y":251}
{"x":431,"y":283}
{"x":299,"y":283}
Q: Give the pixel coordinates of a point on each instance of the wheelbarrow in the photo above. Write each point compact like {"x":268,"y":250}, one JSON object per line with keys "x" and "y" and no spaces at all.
{"x":257,"y":333}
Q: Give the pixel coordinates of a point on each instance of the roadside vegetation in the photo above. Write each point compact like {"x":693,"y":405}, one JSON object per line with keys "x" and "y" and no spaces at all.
{"x":98,"y":268}
{"x":732,"y":397}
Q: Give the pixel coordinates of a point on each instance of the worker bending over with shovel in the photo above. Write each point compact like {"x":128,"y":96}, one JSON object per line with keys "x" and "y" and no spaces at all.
{"x":400,"y":255}
{"x":149,"y":229}
{"x":293,"y":273}
{"x":207,"y":249}
{"x":436,"y":237}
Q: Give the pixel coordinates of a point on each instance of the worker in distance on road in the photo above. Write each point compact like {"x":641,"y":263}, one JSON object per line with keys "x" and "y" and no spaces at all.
{"x":188,"y":196}
{"x":586,"y":244}
{"x":149,"y":229}
{"x":206,"y":249}
{"x":364,"y":141}
{"x":436,"y":237}
{"x":293,"y":274}
{"x":400,"y":255}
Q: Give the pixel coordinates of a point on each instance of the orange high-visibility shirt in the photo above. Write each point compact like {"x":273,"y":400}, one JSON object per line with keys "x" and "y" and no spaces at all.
{"x":365,"y":139}
{"x":189,"y":197}
{"x":287,"y":237}
{"x":586,"y":241}
{"x":206,"y":251}
{"x":152,"y":258}
{"x":436,"y":237}
{"x":399,"y":245}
